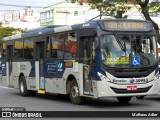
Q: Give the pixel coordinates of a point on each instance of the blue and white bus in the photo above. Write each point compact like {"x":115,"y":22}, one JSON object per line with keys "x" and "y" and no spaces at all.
{"x":101,"y":58}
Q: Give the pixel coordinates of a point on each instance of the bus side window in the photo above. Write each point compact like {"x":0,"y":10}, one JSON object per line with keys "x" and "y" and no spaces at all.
{"x":28,"y":49}
{"x":57,"y":46}
{"x":48,"y":48}
{"x":70,"y":46}
{"x":3,"y":56}
{"x":18,"y":49}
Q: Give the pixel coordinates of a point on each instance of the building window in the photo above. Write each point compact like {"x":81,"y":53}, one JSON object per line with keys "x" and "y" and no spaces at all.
{"x":47,"y":16}
{"x":43,"y":17}
{"x":75,"y":13}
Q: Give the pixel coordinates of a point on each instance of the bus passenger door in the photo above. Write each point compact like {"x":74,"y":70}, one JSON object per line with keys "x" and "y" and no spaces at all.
{"x":87,"y":51}
{"x":9,"y":65}
{"x":40,"y":82}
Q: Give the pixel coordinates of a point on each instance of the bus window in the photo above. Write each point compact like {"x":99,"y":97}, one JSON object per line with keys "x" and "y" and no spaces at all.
{"x":4,"y":51}
{"x":57,"y":45}
{"x":48,"y":45}
{"x":18,"y":49}
{"x":28,"y":49}
{"x":70,"y":46}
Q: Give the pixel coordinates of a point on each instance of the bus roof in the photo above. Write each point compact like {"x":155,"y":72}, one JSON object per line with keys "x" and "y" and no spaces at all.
{"x":90,"y":24}
{"x":41,"y":31}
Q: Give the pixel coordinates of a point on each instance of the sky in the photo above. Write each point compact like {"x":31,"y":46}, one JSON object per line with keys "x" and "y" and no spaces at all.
{"x":37,"y":5}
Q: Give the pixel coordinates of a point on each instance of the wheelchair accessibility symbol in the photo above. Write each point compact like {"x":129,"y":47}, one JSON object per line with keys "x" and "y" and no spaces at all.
{"x":136,"y":61}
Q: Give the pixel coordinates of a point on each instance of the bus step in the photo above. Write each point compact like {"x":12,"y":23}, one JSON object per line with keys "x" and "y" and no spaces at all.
{"x":41,"y":91}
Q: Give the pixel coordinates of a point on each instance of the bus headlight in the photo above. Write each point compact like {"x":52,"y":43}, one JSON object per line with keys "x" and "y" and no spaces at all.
{"x":102,"y":77}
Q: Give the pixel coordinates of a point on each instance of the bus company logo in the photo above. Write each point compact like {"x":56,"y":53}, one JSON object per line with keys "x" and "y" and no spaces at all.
{"x":60,"y":67}
{"x":86,"y":25}
{"x":132,"y":81}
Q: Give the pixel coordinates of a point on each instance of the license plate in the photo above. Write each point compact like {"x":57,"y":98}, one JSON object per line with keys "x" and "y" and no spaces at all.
{"x":131,"y":88}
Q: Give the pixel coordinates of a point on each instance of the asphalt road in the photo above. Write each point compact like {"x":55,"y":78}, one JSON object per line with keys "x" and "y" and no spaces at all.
{"x":49,"y":102}
{"x":11,"y":98}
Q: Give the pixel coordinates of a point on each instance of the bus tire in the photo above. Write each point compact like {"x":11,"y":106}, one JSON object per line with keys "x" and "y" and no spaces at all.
{"x":23,"y":87}
{"x":74,"y":94}
{"x":140,"y":97}
{"x":124,"y":100}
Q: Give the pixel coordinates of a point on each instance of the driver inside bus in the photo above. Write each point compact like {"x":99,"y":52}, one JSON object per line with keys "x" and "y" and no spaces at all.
{"x":106,"y":52}
{"x":110,"y":47}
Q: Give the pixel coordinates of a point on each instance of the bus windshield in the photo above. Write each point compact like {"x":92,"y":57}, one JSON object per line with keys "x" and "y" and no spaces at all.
{"x":128,"y":50}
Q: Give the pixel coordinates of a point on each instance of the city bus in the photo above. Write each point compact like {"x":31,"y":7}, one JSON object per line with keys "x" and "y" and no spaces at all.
{"x":97,"y":59}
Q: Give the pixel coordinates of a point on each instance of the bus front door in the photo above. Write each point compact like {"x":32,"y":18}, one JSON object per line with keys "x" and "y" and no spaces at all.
{"x":9,"y":65}
{"x":87,"y":51}
{"x":40,"y":82}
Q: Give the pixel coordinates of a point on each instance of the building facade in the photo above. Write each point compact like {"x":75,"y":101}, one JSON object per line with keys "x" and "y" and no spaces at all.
{"x":66,"y":14}
{"x":24,"y":19}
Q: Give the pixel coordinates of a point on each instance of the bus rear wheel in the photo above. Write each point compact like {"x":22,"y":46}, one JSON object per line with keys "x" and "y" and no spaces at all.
{"x":124,"y":100}
{"x":74,"y":94}
{"x":23,"y":87}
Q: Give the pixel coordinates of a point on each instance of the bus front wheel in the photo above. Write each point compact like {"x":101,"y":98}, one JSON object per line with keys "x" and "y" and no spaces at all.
{"x":124,"y":100}
{"x":74,"y":93}
{"x":23,"y":87}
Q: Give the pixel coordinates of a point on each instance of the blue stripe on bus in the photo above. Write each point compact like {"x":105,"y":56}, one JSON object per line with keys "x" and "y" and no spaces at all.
{"x":98,"y":66}
{"x":41,"y":69}
{"x":32,"y":71}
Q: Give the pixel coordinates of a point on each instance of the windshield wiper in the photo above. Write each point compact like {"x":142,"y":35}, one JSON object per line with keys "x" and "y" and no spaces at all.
{"x":118,"y":41}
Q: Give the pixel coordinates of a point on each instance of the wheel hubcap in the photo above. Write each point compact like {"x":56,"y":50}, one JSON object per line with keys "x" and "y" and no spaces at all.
{"x":74,"y":92}
{"x":22,"y":87}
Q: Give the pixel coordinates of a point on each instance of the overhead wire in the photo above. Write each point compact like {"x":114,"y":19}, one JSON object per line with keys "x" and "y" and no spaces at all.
{"x":25,"y":1}
{"x":20,"y":5}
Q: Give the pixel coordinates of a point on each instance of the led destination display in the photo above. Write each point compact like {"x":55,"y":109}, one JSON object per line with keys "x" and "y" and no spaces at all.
{"x":127,"y":26}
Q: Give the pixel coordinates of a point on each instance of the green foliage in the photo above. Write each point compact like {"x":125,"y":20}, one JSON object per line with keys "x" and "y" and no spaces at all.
{"x":154,"y":9}
{"x":117,"y":8}
{"x":8,"y":31}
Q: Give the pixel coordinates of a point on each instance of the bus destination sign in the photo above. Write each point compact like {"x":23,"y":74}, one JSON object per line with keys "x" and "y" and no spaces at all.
{"x":127,"y":26}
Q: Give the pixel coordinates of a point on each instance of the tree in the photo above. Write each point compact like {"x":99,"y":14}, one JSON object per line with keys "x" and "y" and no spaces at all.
{"x":107,"y":7}
{"x":147,"y":9}
{"x":8,"y":31}
{"x":117,"y":8}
